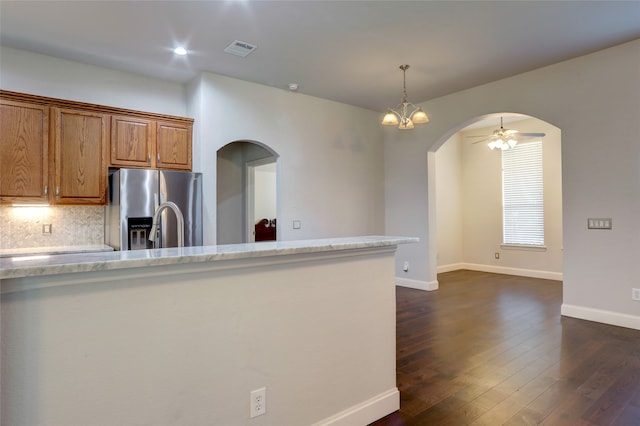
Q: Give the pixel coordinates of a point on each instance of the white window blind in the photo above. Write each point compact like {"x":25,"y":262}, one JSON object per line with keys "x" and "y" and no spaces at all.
{"x":522,"y":195}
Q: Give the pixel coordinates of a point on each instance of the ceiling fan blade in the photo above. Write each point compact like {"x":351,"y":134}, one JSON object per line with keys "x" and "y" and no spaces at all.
{"x":507,"y":134}
{"x":531,"y":135}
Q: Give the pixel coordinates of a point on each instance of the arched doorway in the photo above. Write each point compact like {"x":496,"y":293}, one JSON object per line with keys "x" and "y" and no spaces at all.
{"x":239,"y":164}
{"x":468,"y":199}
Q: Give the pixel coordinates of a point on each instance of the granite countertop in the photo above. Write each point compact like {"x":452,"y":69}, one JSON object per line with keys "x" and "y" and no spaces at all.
{"x":34,"y":251}
{"x":25,"y":266}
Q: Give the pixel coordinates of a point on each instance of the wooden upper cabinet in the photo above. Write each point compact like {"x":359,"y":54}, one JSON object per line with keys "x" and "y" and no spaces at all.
{"x":132,"y":141}
{"x":58,"y":151}
{"x":79,"y":144}
{"x":173,"y":145}
{"x":146,"y":143}
{"x":24,"y":152}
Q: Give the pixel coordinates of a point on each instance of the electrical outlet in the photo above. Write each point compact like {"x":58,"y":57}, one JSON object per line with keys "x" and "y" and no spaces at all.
{"x":405,"y":267}
{"x":635,"y":294}
{"x":258,"y":402}
{"x":46,"y":229}
{"x":497,"y":255}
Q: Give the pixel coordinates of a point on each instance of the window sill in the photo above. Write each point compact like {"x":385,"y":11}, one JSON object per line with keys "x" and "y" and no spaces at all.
{"x":523,"y":247}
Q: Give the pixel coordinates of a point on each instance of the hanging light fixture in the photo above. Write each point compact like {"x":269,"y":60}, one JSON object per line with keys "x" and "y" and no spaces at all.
{"x":507,"y":138}
{"x":503,"y":138}
{"x":401,"y":115}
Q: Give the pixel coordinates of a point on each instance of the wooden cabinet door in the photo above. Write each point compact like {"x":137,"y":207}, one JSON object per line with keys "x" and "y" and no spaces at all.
{"x":80,"y":141}
{"x":173,"y":145}
{"x":132,"y":142}
{"x":24,"y":152}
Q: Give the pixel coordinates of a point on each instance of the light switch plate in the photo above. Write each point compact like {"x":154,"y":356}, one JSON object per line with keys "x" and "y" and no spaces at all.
{"x":599,"y":223}
{"x":297,"y":224}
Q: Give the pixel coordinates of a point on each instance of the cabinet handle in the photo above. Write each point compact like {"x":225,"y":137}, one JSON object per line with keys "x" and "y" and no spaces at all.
{"x":57,"y":192}
{"x":149,"y":158}
{"x":46,"y":190}
{"x":158,"y":157}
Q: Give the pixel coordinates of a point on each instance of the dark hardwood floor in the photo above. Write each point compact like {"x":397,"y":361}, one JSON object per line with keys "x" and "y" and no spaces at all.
{"x":489,"y":349}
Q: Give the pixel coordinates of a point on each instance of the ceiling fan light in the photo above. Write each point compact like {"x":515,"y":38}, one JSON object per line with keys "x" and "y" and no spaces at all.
{"x":507,"y":138}
{"x":390,"y":119}
{"x":419,"y":116}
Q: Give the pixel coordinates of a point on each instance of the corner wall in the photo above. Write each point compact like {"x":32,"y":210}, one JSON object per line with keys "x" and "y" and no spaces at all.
{"x":449,"y":203}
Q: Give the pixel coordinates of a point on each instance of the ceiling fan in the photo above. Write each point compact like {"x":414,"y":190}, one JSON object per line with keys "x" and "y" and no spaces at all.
{"x":505,"y":138}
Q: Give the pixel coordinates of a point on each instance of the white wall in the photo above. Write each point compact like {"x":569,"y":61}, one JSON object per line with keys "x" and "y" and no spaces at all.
{"x":449,"y":204}
{"x":26,"y":72}
{"x":230,"y":196}
{"x":330,"y":155}
{"x":186,"y":344}
{"x":595,"y":101}
{"x":265,"y":192}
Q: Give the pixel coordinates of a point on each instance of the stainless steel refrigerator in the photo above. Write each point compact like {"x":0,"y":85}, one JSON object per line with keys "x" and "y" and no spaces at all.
{"x":134,"y":196}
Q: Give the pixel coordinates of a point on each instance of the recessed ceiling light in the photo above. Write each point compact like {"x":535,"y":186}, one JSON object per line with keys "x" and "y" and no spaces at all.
{"x":180,"y":51}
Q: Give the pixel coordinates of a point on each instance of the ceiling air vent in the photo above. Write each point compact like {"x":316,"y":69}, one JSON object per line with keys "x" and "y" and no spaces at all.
{"x":240,"y":48}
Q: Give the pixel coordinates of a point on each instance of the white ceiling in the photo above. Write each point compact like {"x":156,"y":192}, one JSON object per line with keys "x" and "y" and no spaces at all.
{"x":347,"y":51}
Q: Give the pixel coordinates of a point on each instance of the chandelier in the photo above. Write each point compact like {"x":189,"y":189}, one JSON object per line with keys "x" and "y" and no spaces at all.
{"x":401,"y":114}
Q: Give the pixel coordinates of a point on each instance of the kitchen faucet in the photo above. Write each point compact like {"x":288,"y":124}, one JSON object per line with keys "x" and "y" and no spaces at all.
{"x":179,"y":219}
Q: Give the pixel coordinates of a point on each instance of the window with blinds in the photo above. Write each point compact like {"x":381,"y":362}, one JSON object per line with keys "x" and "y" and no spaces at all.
{"x":522,"y":195}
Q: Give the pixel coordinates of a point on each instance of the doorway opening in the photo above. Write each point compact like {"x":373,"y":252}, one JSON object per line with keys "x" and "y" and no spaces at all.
{"x":469,"y":203}
{"x":261,"y":200}
{"x":247,"y":176}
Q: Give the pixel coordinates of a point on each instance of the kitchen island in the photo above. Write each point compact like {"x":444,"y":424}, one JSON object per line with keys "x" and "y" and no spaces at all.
{"x":182,"y":336}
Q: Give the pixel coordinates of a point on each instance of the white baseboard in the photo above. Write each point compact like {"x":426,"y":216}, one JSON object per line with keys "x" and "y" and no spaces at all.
{"x":532,"y":273}
{"x":420,"y":285}
{"x":367,"y":411}
{"x":602,"y":316}
{"x":450,"y":267}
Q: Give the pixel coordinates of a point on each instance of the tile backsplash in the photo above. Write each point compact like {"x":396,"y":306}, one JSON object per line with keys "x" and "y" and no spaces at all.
{"x":21,"y":227}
